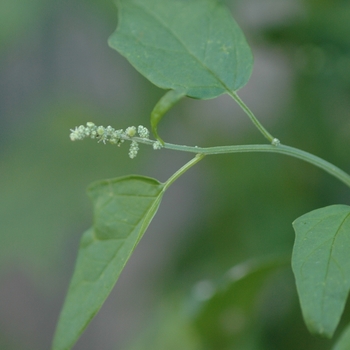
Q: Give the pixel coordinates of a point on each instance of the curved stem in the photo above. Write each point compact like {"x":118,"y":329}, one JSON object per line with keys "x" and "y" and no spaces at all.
{"x":282,"y":149}
{"x":252,"y":117}
{"x":275,"y":147}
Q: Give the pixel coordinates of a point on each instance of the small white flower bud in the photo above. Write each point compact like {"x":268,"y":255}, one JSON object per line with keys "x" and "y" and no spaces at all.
{"x":100,"y":130}
{"x":73,"y":136}
{"x":143,"y":132}
{"x":130,"y":131}
{"x":276,"y":142}
{"x":157,"y":145}
{"x":134,"y":148}
{"x":76,"y":134}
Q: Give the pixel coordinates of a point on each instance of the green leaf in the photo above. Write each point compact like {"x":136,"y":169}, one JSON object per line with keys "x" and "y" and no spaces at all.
{"x":190,"y":45}
{"x":343,"y":342}
{"x":321,"y":265}
{"x":123,"y":209}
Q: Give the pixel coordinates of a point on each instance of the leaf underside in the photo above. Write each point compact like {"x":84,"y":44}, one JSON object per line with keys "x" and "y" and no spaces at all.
{"x":189,"y":45}
{"x":321,"y":265}
{"x":123,"y":209}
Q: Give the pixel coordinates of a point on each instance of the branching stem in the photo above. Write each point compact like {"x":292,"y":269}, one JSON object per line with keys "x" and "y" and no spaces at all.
{"x":109,"y":133}
{"x":183,"y":169}
{"x":282,"y":149}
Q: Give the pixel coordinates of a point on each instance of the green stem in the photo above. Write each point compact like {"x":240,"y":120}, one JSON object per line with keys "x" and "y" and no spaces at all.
{"x":282,"y":149}
{"x":252,"y":117}
{"x":183,"y":169}
{"x":275,"y":147}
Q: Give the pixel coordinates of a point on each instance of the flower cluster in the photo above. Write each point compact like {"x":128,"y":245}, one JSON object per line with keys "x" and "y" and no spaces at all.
{"x":111,"y":135}
{"x":157,"y":145}
{"x":143,"y":132}
{"x":134,"y":148}
{"x":100,"y":133}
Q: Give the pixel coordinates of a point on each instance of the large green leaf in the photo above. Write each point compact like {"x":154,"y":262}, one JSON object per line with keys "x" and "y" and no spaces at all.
{"x":190,"y":45}
{"x":321,"y":265}
{"x":343,"y":342}
{"x":123,"y":209}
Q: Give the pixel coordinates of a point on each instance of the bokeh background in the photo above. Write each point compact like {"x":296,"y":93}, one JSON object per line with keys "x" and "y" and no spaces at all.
{"x":57,"y":71}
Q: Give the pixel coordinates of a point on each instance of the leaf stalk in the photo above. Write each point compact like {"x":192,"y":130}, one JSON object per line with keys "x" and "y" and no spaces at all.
{"x":252,"y":117}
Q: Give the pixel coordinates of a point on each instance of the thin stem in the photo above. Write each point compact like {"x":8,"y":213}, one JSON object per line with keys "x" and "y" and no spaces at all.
{"x":282,"y":149}
{"x":252,"y":117}
{"x":183,"y":169}
{"x":275,"y":147}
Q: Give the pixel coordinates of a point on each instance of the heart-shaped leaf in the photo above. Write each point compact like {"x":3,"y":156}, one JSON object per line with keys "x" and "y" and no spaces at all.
{"x":321,"y":265}
{"x":189,"y":45}
{"x":123,"y":209}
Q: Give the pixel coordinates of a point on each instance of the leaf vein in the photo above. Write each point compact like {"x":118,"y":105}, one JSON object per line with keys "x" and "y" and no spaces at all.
{"x":185,"y":47}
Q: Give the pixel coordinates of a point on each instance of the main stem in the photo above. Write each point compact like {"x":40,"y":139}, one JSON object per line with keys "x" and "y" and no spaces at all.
{"x":287,"y":150}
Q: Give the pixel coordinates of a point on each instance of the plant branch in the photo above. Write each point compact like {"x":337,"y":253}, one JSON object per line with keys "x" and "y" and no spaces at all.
{"x":282,"y":149}
{"x":183,"y":169}
{"x":118,"y":136}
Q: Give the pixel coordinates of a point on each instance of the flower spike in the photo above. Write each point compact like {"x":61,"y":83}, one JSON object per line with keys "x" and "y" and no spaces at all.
{"x":115,"y":137}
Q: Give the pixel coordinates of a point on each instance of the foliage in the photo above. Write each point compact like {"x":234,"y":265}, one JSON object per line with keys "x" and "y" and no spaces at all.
{"x":321,"y":266}
{"x":200,"y":56}
{"x":243,"y":204}
{"x":123,"y":209}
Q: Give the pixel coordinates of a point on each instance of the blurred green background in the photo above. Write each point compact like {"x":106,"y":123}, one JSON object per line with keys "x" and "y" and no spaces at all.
{"x":57,"y":71}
